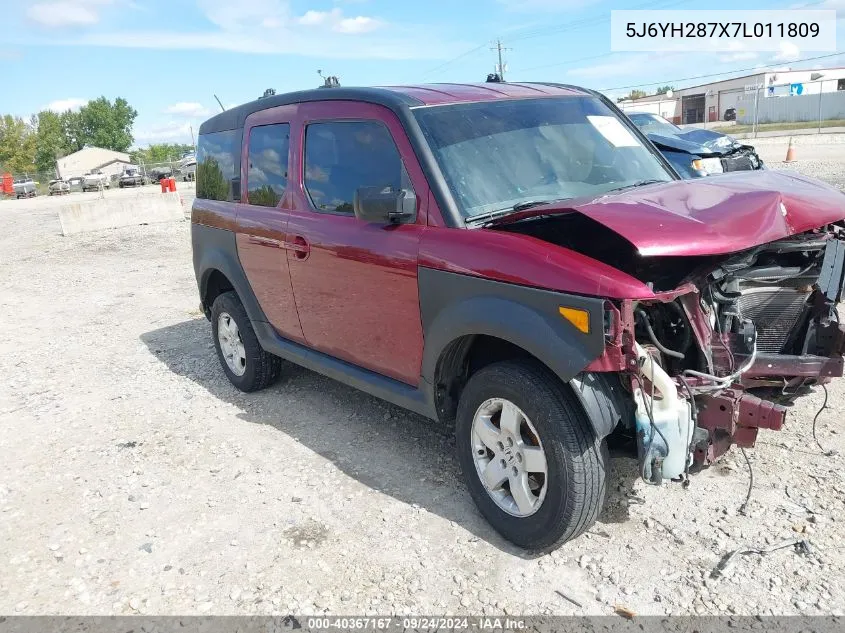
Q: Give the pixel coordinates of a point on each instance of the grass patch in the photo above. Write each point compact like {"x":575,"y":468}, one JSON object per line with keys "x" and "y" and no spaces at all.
{"x":776,"y":127}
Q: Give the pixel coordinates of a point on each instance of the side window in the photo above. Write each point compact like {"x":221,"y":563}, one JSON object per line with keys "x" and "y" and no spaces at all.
{"x":268,"y":164}
{"x":342,"y":156}
{"x":216,"y":164}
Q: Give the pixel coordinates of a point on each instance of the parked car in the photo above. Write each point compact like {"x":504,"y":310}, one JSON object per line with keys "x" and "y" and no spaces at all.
{"x":131,"y":177}
{"x":695,"y":152}
{"x":523,"y":264}
{"x":156,"y":174}
{"x":24,"y":188}
{"x":95,"y":180}
{"x":75,"y":182}
{"x":188,"y":170}
{"x":730,"y":114}
{"x":58,"y":187}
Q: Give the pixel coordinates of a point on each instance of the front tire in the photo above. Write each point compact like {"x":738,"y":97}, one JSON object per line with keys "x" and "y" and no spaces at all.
{"x":529,"y":455}
{"x":246,"y":364}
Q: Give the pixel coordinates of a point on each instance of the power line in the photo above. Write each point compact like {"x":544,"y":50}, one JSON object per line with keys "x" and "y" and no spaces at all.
{"x":549,"y":30}
{"x":454,"y":59}
{"x":592,"y":20}
{"x":609,"y":53}
{"x":728,"y":72}
{"x":569,"y":61}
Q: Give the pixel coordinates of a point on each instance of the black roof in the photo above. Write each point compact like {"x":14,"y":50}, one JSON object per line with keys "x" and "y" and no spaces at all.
{"x":234,"y":117}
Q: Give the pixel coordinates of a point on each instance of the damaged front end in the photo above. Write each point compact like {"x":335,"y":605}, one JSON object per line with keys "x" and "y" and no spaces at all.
{"x":706,"y":362}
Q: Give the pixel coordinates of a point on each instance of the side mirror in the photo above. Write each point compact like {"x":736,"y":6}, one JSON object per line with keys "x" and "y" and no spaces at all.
{"x":385,"y":205}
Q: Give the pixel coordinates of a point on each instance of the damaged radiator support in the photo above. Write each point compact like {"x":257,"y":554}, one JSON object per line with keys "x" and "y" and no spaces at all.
{"x":733,"y":416}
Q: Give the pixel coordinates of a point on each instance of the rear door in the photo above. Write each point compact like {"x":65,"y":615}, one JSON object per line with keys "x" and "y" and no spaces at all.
{"x":263,"y":216}
{"x":355,"y":283}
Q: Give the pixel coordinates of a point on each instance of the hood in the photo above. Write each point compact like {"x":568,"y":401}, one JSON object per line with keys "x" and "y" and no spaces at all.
{"x":697,"y":141}
{"x":707,"y":216}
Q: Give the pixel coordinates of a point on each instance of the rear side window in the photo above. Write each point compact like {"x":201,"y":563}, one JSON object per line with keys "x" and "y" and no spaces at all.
{"x":216,"y":164}
{"x":268,"y":164}
{"x":342,"y":156}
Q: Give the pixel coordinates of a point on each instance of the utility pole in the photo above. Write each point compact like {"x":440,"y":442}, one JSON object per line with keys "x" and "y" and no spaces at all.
{"x":501,"y":67}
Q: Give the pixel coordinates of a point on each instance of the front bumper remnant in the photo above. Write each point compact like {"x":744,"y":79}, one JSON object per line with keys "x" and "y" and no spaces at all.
{"x":733,"y":417}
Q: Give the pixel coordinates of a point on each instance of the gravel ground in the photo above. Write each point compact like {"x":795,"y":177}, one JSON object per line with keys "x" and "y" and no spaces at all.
{"x":135,"y":479}
{"x":823,"y":161}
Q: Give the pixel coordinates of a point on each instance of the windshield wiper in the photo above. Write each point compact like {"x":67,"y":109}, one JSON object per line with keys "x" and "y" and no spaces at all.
{"x":487,"y":216}
{"x":639,"y":183}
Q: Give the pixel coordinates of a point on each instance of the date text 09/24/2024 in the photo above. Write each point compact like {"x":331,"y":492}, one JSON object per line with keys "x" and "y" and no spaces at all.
{"x":415,"y":623}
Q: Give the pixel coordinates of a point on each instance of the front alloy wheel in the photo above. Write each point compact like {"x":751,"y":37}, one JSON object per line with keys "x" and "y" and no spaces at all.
{"x":529,"y":454}
{"x":509,"y":457}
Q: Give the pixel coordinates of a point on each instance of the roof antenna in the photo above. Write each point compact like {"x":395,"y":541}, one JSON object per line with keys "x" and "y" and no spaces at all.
{"x":328,"y":82}
{"x":494,"y":78}
{"x":222,"y":109}
{"x":268,"y":93}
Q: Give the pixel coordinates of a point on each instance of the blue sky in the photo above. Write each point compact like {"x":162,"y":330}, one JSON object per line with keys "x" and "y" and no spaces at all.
{"x":169,"y":57}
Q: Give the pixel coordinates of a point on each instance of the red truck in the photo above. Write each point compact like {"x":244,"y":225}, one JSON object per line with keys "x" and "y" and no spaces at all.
{"x":519,"y":261}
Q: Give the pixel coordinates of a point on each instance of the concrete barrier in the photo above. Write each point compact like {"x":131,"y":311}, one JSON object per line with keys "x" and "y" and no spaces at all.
{"x":109,"y":213}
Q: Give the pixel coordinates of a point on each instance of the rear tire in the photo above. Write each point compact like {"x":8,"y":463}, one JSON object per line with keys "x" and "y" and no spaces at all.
{"x":551,"y":419}
{"x":246,"y":364}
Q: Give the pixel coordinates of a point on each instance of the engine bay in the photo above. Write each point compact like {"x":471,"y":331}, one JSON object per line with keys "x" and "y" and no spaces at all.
{"x":707,"y":362}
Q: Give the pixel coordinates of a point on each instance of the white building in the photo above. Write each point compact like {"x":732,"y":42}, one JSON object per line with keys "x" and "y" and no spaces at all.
{"x":90,"y":159}
{"x":711,"y":100}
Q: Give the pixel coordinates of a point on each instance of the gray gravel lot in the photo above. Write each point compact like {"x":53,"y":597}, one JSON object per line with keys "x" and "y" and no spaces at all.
{"x":135,"y":479}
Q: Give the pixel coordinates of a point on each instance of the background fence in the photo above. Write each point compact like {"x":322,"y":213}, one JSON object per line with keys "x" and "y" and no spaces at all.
{"x":152,"y":171}
{"x":791,"y":106}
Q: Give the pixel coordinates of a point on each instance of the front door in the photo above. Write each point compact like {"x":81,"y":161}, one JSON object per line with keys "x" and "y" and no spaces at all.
{"x":263,"y":217}
{"x":355,"y":283}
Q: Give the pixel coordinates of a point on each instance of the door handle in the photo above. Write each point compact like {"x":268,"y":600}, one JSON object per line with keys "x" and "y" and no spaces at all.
{"x":300,"y":247}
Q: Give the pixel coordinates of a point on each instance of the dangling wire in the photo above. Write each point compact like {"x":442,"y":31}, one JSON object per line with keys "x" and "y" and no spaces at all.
{"x":827,"y":453}
{"x":744,"y":505}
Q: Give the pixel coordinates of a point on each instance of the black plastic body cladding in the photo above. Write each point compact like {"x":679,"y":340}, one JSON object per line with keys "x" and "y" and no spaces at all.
{"x":454,"y":305}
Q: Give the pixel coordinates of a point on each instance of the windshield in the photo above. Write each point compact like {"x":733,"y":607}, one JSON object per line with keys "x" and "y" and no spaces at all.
{"x":653,"y":124}
{"x":497,"y":154}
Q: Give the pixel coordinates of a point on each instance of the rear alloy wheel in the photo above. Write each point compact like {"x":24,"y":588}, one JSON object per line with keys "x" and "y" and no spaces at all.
{"x":231,"y":344}
{"x":529,"y":454}
{"x":246,"y":364}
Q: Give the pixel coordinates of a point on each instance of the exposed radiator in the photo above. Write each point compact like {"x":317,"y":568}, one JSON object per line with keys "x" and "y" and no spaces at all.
{"x":774,"y":312}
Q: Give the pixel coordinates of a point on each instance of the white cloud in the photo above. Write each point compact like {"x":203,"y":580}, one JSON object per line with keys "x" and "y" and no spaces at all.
{"x":789,"y":52}
{"x":66,"y":13}
{"x":626,"y":65}
{"x":335,"y":21}
{"x":188,"y":109}
{"x":290,"y":42}
{"x":63,"y":105}
{"x":164,"y":132}
{"x":741,"y":56}
{"x":271,"y":27}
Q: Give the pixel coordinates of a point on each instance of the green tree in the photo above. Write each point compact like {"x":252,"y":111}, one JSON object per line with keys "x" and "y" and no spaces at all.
{"x":211,"y":183}
{"x":636,"y":94}
{"x":264,"y":196}
{"x":662,"y":90}
{"x":51,"y":143}
{"x":160,"y":153}
{"x":71,"y":123}
{"x":17,"y":145}
{"x":108,"y":125}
